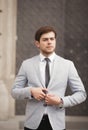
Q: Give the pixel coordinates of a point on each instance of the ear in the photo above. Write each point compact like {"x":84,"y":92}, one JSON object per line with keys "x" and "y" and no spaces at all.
{"x":37,"y":44}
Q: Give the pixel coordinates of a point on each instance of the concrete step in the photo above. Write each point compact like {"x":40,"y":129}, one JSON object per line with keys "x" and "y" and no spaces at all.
{"x":72,"y":123}
{"x":79,"y":123}
{"x":12,"y":123}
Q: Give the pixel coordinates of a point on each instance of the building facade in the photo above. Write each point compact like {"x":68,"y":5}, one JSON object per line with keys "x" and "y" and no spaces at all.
{"x":19,"y":19}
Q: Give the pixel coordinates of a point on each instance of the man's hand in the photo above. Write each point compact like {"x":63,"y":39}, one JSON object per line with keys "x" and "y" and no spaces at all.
{"x":51,"y":99}
{"x":39,"y":93}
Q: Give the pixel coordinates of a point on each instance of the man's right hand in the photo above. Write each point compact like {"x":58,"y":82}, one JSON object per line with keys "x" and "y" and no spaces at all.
{"x":39,"y":93}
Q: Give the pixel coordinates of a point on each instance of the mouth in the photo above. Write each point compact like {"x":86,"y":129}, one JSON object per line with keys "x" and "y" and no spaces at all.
{"x":49,"y":47}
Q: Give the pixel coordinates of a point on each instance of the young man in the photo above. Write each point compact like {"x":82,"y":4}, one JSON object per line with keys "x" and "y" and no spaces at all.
{"x":46,"y":76}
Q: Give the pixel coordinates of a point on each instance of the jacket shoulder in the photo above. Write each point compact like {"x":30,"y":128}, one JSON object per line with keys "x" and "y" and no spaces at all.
{"x":31,"y":60}
{"x":64,"y":60}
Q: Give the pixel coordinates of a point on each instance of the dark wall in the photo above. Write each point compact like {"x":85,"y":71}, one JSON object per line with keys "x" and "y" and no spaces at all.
{"x":76,"y":44}
{"x":71,"y":23}
{"x":31,"y":15}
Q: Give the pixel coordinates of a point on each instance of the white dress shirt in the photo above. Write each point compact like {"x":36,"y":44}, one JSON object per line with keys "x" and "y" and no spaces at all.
{"x":43,"y":64}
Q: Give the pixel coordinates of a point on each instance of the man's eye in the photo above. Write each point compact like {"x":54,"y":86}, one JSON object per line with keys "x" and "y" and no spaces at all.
{"x":44,"y":39}
{"x":51,"y":39}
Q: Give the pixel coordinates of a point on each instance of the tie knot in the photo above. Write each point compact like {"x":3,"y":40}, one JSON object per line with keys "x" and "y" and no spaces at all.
{"x":47,"y":59}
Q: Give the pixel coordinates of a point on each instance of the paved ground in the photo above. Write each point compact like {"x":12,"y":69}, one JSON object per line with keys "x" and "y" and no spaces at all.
{"x":12,"y":124}
{"x":72,"y":123}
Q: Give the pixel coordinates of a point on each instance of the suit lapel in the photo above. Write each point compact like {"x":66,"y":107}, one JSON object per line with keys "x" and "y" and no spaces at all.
{"x":37,"y":69}
{"x":54,"y":71}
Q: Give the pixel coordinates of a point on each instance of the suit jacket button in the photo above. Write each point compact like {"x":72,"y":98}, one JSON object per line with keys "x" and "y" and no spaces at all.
{"x":45,"y":105}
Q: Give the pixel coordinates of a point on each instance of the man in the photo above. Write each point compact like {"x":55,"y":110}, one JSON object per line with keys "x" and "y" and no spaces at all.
{"x":42,"y":80}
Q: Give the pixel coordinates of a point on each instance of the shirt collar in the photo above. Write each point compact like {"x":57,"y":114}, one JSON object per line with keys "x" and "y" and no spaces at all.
{"x":51,"y":57}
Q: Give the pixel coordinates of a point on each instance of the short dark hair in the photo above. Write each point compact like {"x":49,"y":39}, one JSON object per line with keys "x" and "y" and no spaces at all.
{"x":43,"y":30}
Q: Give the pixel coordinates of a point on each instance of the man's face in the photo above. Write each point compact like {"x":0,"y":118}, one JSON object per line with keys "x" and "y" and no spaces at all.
{"x":47,"y":43}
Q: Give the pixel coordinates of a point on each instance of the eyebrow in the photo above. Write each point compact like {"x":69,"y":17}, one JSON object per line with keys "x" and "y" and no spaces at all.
{"x":48,"y":37}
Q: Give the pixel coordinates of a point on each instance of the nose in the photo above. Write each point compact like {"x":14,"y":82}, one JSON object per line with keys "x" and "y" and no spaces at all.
{"x":49,"y":41}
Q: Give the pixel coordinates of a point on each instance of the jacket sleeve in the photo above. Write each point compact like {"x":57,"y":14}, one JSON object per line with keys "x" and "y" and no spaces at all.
{"x":19,"y":91}
{"x":78,"y":91}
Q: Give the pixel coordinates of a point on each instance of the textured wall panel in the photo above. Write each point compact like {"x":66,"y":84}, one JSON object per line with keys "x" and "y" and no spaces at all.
{"x":31,"y":15}
{"x":76,"y":44}
{"x":70,"y":19}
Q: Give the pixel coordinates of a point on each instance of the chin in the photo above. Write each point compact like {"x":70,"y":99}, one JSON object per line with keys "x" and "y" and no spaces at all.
{"x":49,"y":52}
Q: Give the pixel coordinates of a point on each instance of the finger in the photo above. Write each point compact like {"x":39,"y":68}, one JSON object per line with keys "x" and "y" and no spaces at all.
{"x":39,"y":98}
{"x":44,"y":90}
{"x":42,"y":96}
{"x":46,"y":101}
{"x":50,"y":95}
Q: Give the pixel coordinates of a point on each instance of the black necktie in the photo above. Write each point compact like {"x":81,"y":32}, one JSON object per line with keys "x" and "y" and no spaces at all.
{"x":47,"y":73}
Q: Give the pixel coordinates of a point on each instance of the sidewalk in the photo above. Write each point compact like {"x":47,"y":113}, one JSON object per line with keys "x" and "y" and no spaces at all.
{"x":72,"y":123}
{"x":12,"y":124}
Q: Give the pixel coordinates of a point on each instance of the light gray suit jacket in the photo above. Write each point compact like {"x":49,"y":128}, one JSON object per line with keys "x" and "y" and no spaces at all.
{"x":63,"y":73}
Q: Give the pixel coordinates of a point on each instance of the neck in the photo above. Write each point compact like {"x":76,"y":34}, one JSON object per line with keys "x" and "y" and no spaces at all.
{"x":47,"y":54}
